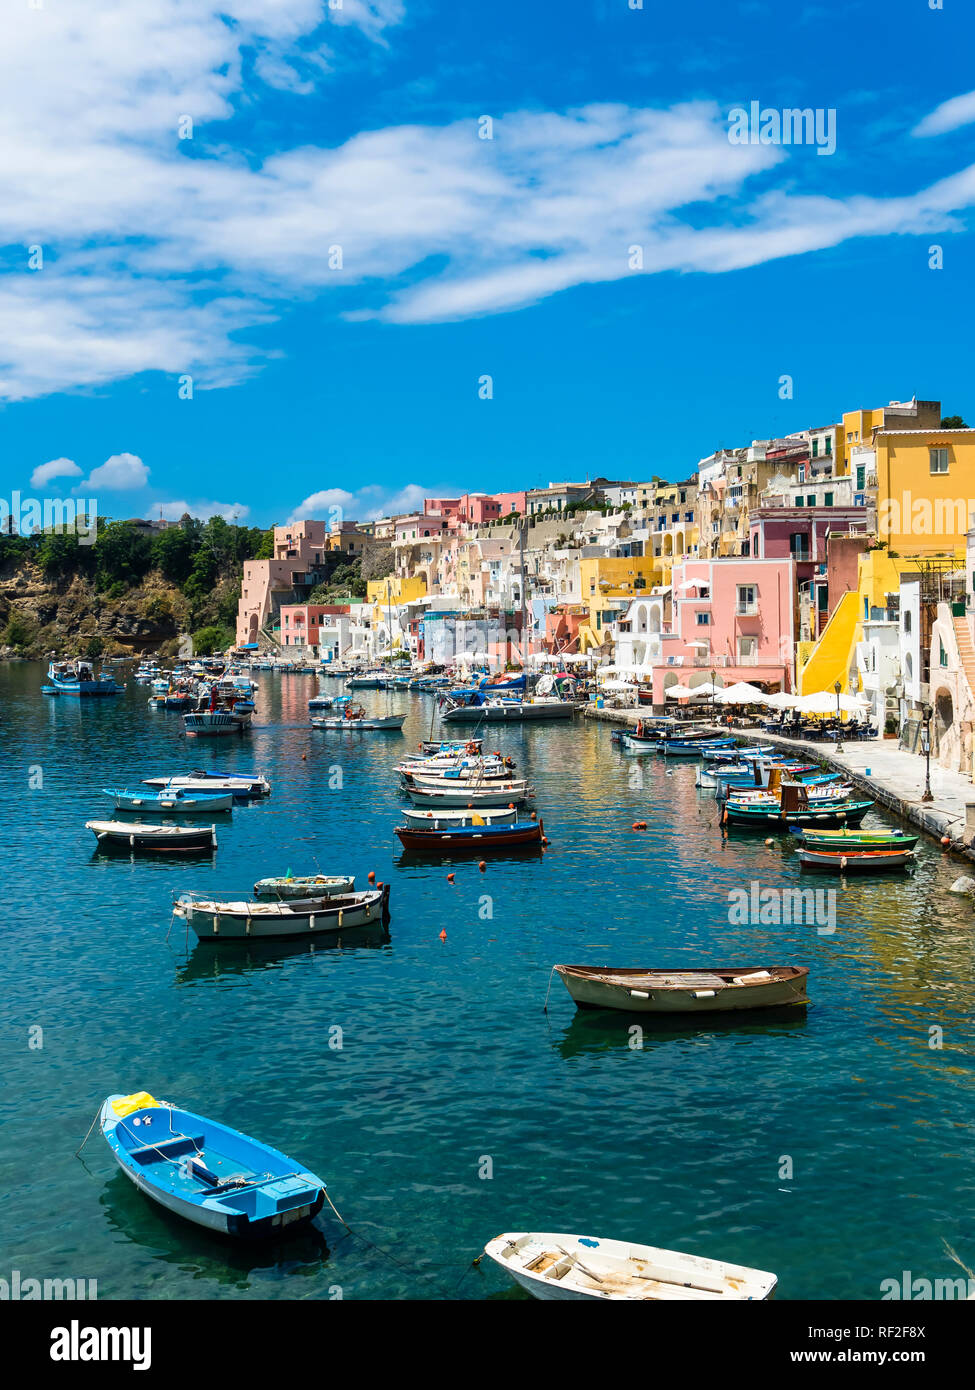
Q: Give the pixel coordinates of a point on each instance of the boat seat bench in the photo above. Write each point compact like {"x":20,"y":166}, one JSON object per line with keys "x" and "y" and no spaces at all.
{"x":173,"y":1147}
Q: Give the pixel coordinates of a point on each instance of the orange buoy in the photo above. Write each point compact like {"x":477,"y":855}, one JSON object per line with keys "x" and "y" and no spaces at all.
{"x":534,"y":815}
{"x":544,"y":840}
{"x":450,"y":878}
{"x":372,"y":876}
{"x":639,"y":825}
{"x":304,"y":757}
{"x":770,"y":841}
{"x":482,"y":866}
{"x":443,"y":934}
{"x":511,"y":805}
{"x":946,"y":840}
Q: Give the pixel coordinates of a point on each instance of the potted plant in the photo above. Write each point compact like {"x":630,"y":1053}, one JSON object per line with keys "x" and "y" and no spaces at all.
{"x":890,"y":727}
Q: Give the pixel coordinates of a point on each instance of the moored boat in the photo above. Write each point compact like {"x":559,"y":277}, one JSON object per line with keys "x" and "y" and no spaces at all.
{"x":214,"y":920}
{"x":355,"y":718}
{"x":242,"y":785}
{"x":119,"y":834}
{"x":846,"y":859}
{"x":451,"y":818}
{"x":793,"y":807}
{"x":857,"y":839}
{"x":557,"y":1266}
{"x":211,"y":723}
{"x":78,"y":678}
{"x":206,"y":1172}
{"x":684,"y":991}
{"x":304,"y":886}
{"x":178,"y":800}
{"x":471,"y":839}
{"x":491,"y":794}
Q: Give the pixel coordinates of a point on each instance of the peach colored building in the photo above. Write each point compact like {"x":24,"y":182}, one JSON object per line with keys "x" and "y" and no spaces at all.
{"x":298,"y":549}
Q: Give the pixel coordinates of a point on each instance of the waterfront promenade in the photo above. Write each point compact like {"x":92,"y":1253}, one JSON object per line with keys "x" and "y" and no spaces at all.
{"x":892,"y":777}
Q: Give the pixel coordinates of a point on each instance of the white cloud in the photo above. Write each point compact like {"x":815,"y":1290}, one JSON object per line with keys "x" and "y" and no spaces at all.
{"x":367,"y":503}
{"x":160,"y":254}
{"x":57,"y":468}
{"x":172,"y":511}
{"x":120,"y":473}
{"x":950,"y":115}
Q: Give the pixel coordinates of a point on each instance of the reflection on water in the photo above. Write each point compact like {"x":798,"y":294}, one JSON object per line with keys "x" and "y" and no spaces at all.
{"x":445,"y":1054}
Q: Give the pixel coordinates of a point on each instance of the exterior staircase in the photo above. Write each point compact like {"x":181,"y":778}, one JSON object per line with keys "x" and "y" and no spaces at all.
{"x":966,"y":651}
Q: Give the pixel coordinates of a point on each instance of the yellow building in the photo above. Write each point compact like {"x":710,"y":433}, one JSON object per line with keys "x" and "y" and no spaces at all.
{"x":925,"y":490}
{"x":821,"y":664}
{"x":396,"y":589}
{"x":602,"y":578}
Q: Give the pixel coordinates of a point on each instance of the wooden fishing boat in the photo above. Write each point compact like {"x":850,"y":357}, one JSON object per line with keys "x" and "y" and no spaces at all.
{"x":267,"y":919}
{"x":78,"y":678}
{"x":857,"y":839}
{"x":242,"y":785}
{"x":305,"y":886}
{"x":120,"y":834}
{"x":192,"y":803}
{"x":447,"y":819}
{"x":555,"y":1266}
{"x":206,"y":1172}
{"x":354,"y":717}
{"x":693,"y":747}
{"x":503,"y":711}
{"x":471,"y":839}
{"x":682,"y":991}
{"x":494,"y":794}
{"x":846,"y":859}
{"x":793,"y":807}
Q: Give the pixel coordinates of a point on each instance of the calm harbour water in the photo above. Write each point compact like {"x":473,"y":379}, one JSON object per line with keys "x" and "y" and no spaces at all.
{"x":447,"y":1055}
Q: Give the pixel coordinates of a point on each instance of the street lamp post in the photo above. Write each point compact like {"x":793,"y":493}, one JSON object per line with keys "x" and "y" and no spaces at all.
{"x":926,"y":745}
{"x":713,"y":702}
{"x":839,"y":742}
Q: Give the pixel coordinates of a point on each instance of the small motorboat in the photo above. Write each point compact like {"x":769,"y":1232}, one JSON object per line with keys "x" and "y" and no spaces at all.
{"x":120,"y":834}
{"x":451,"y":819}
{"x":464,"y":795}
{"x":650,"y":991}
{"x":192,"y":803}
{"x":272,"y":920}
{"x":856,"y":839}
{"x":471,"y":839}
{"x":210,"y":723}
{"x":845,"y":859}
{"x":305,"y":886}
{"x":553,"y":1266}
{"x":355,"y":717}
{"x":242,"y":785}
{"x":452,"y":747}
{"x":203,"y":1170}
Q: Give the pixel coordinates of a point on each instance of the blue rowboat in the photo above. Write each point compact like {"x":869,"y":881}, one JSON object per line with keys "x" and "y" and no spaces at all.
{"x":695,"y":748}
{"x":178,"y":799}
{"x":205,"y":1171}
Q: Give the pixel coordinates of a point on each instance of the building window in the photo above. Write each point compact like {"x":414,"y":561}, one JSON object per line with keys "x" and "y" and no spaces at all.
{"x":799,"y":502}
{"x":829,"y":444}
{"x":907,"y":622}
{"x":747,"y":600}
{"x":942,"y":654}
{"x":703,"y":619}
{"x":827,"y":499}
{"x":861,"y":477}
{"x":939,"y":460}
{"x":815,"y":452}
{"x":810,"y":499}
{"x":747,"y":648}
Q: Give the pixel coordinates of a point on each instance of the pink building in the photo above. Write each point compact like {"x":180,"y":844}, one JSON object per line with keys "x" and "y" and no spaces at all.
{"x":300,"y":622}
{"x":474,"y":508}
{"x":298,"y":548}
{"x":733,"y":616}
{"x":803,"y":533}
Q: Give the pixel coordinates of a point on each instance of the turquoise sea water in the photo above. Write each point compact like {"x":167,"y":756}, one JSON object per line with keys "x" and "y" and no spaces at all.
{"x":449,"y":1067}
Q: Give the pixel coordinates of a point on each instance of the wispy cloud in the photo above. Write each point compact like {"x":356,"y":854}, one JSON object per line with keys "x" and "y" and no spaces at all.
{"x":950,"y":115}
{"x":162,"y":255}
{"x":173,"y":511}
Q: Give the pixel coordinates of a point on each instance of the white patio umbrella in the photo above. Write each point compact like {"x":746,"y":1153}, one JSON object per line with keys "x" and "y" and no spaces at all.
{"x":820,"y":702}
{"x":741,"y":693}
{"x":854,"y":704}
{"x":679,"y":692}
{"x":782,"y":700}
{"x":706,"y":689}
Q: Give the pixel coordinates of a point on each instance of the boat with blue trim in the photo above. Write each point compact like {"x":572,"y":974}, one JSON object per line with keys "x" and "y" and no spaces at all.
{"x":205,"y":1171}
{"x":78,"y":678}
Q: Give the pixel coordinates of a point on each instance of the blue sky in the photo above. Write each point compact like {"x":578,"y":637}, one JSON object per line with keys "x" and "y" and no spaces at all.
{"x":212,"y":257}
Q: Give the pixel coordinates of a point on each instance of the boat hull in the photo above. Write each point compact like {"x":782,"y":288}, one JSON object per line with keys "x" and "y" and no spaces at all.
{"x":505,"y":795}
{"x":471,"y":840}
{"x":506,"y":714}
{"x":158,"y":839}
{"x":263,"y":923}
{"x":287,"y":1199}
{"x":850,"y":861}
{"x":648,"y":992}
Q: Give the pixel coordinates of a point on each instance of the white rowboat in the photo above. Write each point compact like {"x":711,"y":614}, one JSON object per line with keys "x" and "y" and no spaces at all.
{"x":552,"y":1266}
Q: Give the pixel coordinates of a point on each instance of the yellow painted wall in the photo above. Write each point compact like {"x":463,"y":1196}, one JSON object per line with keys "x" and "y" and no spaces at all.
{"x":829,"y":661}
{"x":919,"y":512}
{"x":400,"y":590}
{"x":604,"y":577}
